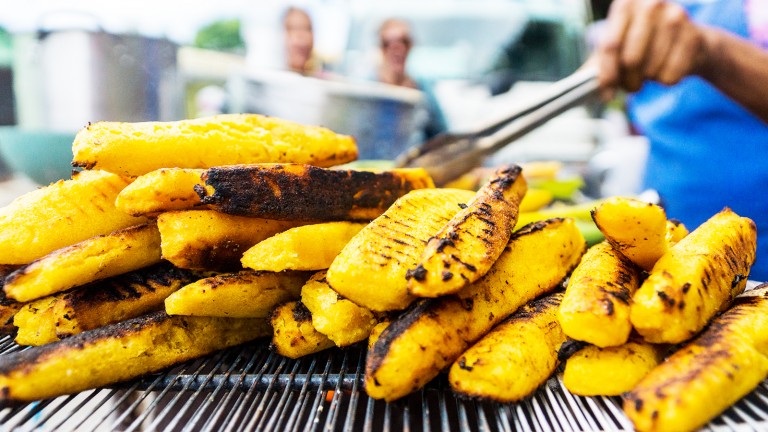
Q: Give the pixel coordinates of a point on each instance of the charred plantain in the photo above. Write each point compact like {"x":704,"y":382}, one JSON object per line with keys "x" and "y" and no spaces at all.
{"x":133,"y":149}
{"x":246,"y":294}
{"x":308,"y":247}
{"x":709,"y":374}
{"x":8,"y":307}
{"x":371,"y":269}
{"x":515,"y":358}
{"x":74,"y":210}
{"x":293,"y":334}
{"x":93,"y":259}
{"x":433,"y":333}
{"x":118,"y":352}
{"x":100,"y":303}
{"x":463,"y":251}
{"x":165,"y":189}
{"x":595,"y":308}
{"x":341,"y":320}
{"x":305,"y":192}
{"x":696,"y":279}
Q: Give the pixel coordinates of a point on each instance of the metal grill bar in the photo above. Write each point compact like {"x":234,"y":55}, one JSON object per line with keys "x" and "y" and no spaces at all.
{"x":252,"y":388}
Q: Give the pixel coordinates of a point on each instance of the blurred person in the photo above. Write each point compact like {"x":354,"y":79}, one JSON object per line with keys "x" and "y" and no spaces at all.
{"x":395,"y":43}
{"x":698,"y":71}
{"x":300,"y":42}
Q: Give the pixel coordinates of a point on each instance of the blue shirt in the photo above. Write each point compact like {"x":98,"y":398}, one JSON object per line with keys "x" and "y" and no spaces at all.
{"x":707,"y":152}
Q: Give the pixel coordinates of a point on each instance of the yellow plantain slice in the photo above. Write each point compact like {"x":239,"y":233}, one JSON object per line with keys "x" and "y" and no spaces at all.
{"x":341,"y":320}
{"x":209,"y":240}
{"x":513,"y":359}
{"x":246,"y":294}
{"x":133,"y":149}
{"x":162,"y":190}
{"x":463,"y":251}
{"x":93,"y":259}
{"x":118,"y":352}
{"x":61,"y":214}
{"x":308,"y":247}
{"x":595,"y":308}
{"x":293,"y":334}
{"x":431,"y":335}
{"x":696,"y":279}
{"x":610,"y":371}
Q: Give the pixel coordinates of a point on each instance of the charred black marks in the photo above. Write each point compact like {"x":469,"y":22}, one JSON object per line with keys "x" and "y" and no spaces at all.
{"x":301,"y":313}
{"x":445,"y":242}
{"x":569,"y":348}
{"x":446,"y":276}
{"x":419,"y":273}
{"x":463,"y":365}
{"x":666,"y":299}
{"x":462,"y":206}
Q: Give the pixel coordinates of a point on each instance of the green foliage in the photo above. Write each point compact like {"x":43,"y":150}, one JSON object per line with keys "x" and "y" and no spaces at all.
{"x":223,"y":35}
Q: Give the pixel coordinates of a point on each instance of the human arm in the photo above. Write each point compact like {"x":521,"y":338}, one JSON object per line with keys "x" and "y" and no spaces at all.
{"x":655,"y":40}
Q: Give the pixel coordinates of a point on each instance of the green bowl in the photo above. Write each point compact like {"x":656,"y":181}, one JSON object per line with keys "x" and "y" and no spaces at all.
{"x":43,"y":156}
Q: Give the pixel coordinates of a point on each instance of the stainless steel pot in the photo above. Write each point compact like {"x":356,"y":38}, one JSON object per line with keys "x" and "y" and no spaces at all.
{"x":66,"y":78}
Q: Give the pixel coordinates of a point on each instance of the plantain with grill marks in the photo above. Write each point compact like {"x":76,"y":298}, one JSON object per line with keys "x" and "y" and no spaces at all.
{"x":433,"y":333}
{"x":118,"y":352}
{"x":371,"y":269}
{"x":595,"y":308}
{"x":75,"y":210}
{"x":245,"y":294}
{"x":513,"y":359}
{"x":133,"y":149}
{"x":165,"y":189}
{"x":696,"y":279}
{"x":305,"y":192}
{"x":100,"y":303}
{"x":8,"y":307}
{"x":709,"y":374}
{"x":93,"y":259}
{"x":465,"y":248}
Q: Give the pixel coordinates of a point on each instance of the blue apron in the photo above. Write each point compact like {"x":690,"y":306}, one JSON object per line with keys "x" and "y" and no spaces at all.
{"x":707,"y":152}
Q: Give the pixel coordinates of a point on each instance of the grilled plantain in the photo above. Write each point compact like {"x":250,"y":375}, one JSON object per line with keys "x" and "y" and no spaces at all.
{"x":341,"y":320}
{"x":118,"y":352}
{"x":515,"y":358}
{"x":308,"y":247}
{"x":433,"y":333}
{"x":305,"y":192}
{"x":246,"y":294}
{"x":133,"y":149}
{"x":165,"y":189}
{"x":209,"y":240}
{"x":595,"y":308}
{"x":371,"y":268}
{"x":610,"y":371}
{"x":696,"y":279}
{"x":463,"y":251}
{"x":8,"y":307}
{"x":93,"y":259}
{"x":100,"y":303}
{"x":70,"y":211}
{"x":635,"y":228}
{"x":293,"y":334}
{"x":709,"y":374}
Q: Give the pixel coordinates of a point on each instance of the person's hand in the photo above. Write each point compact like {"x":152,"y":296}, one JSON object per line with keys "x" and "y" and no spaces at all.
{"x":647,"y":40}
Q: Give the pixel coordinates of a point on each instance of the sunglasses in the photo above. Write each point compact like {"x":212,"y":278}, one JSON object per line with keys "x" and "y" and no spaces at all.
{"x":404,"y":40}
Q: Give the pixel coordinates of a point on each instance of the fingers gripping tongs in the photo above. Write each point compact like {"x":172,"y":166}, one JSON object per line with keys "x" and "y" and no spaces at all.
{"x":450,"y":155}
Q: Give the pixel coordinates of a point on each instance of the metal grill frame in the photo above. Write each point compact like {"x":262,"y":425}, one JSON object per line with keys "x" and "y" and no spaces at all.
{"x":251,"y":388}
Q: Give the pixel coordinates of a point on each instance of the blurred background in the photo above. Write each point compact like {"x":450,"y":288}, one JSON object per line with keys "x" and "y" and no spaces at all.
{"x":66,"y":63}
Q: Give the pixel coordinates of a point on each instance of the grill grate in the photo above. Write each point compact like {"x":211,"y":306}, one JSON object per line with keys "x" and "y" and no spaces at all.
{"x":251,"y":388}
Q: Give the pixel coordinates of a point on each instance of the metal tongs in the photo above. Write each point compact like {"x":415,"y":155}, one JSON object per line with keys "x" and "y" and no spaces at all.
{"x":449,"y":155}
